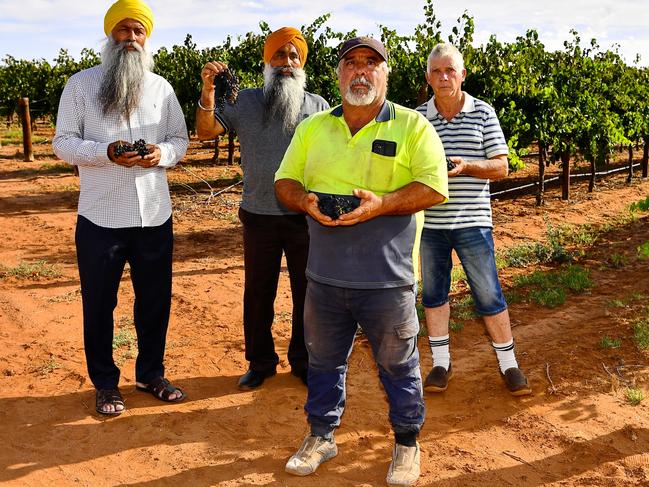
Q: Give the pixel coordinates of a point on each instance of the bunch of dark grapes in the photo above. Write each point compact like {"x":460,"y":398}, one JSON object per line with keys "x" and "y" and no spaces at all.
{"x":334,"y":205}
{"x":226,"y":88}
{"x":138,"y":146}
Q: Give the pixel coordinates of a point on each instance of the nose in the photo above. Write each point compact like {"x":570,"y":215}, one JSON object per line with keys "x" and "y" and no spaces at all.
{"x":360,"y":68}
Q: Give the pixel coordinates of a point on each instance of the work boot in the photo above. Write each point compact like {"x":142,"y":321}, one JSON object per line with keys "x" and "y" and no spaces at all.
{"x":404,"y":468}
{"x":314,"y":451}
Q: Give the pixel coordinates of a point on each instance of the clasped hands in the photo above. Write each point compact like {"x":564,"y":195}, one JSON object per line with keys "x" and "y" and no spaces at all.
{"x":370,"y":207}
{"x":133,"y":158}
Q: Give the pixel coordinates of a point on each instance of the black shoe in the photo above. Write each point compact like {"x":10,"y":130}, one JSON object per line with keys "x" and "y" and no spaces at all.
{"x":302,"y":373}
{"x":253,"y":379}
{"x":516,"y":382}
{"x":437,"y":380}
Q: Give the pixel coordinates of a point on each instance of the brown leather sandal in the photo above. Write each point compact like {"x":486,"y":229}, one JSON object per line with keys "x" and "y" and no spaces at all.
{"x":105,"y":397}
{"x":162,"y":389}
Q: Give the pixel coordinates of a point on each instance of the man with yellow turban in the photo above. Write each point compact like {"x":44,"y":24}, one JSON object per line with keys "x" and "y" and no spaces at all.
{"x":265,"y":120}
{"x":124,"y":204}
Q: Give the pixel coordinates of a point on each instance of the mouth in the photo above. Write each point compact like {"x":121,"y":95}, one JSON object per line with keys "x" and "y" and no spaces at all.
{"x":360,"y":86}
{"x":129,"y":46}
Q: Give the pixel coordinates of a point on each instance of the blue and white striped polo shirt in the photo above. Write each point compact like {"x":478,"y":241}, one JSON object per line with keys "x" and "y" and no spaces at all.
{"x":473,"y":134}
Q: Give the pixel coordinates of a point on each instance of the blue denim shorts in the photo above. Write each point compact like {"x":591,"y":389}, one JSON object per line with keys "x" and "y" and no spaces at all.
{"x":475,"y":248}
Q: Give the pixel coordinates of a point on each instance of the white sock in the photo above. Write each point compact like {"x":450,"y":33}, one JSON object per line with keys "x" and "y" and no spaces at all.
{"x":505,"y":354}
{"x":439,"y":347}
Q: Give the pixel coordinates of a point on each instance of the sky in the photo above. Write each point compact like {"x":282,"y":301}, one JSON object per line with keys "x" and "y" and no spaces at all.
{"x":38,"y":29}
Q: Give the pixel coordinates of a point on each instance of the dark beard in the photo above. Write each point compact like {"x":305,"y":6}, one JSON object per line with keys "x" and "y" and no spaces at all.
{"x":283,"y":97}
{"x":121,"y":85}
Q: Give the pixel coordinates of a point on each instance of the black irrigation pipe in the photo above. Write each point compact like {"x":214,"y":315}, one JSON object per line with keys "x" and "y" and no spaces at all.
{"x":556,"y":178}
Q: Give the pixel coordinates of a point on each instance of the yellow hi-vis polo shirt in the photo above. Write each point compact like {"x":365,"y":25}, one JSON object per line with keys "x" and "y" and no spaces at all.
{"x":396,"y":148}
{"x":326,"y":158}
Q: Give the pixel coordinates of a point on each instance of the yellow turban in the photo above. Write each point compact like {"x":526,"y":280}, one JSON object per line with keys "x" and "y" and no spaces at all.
{"x":283,"y":36}
{"x":128,"y":9}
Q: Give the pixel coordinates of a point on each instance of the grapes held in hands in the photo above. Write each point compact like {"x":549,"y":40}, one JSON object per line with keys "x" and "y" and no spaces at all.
{"x":138,"y":146}
{"x":334,"y":205}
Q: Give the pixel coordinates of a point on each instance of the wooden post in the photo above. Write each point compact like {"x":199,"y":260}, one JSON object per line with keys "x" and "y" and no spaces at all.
{"x":591,"y":178}
{"x":565,"y":183}
{"x":541,"y":188}
{"x":23,"y":105}
{"x":230,"y":147}
{"x":629,"y":177}
{"x":645,"y":158}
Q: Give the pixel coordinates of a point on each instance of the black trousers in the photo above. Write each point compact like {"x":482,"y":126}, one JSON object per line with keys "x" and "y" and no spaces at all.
{"x":101,"y":256}
{"x":265,"y":237}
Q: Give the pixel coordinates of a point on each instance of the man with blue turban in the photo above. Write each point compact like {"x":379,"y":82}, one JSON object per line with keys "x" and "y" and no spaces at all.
{"x":123,"y":127}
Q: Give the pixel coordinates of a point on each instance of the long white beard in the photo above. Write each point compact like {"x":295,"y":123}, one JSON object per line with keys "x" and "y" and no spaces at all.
{"x":283,"y":95}
{"x":124,"y":71}
{"x":360,"y":99}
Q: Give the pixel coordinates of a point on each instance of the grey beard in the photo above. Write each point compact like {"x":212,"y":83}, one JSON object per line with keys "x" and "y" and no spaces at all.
{"x":283,"y":96}
{"x":360,"y":99}
{"x":121,"y":85}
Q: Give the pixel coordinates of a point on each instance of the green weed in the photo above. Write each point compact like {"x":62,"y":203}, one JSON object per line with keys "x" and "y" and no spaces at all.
{"x":608,"y":342}
{"x":550,"y":288}
{"x":643,"y":250}
{"x":463,"y":309}
{"x":634,"y":396}
{"x":15,"y":136}
{"x":37,"y":270}
{"x":617,"y":261}
{"x":548,"y":297}
{"x":123,"y":338}
{"x":125,"y":342}
{"x":457,"y":276}
{"x":641,"y":334}
{"x":512,"y":296}
{"x":642,"y":205}
{"x":455,"y":326}
{"x":48,"y":366}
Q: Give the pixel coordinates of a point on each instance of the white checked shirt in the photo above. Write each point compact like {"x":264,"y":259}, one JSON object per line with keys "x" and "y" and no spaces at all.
{"x":114,"y":196}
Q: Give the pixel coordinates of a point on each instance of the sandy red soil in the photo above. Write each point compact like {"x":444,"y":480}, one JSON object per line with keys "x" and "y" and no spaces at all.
{"x":576,"y":429}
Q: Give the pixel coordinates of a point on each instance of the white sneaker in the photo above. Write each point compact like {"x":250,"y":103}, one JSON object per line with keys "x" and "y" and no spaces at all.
{"x":404,"y":469}
{"x":314,"y":451}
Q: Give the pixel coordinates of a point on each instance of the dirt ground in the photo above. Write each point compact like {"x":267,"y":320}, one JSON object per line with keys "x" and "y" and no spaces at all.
{"x":577,"y":429}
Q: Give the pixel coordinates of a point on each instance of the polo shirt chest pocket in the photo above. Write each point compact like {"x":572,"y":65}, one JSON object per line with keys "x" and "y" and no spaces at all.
{"x":382,"y":170}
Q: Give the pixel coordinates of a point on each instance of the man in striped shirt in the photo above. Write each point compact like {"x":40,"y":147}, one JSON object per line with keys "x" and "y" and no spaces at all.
{"x":477,"y":153}
{"x":124,"y":204}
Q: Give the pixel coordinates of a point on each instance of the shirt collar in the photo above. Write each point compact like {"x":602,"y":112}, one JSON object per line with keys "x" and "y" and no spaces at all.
{"x":386,"y":113}
{"x":468,"y":106}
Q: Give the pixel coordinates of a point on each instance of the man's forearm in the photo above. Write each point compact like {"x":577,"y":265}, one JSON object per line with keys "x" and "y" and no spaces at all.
{"x":492,"y":169}
{"x":410,"y":199}
{"x":207,"y":126}
{"x":291,"y":194}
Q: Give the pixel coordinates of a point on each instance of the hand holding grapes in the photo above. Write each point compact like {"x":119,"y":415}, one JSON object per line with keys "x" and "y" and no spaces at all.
{"x":369,"y":208}
{"x":137,"y":154}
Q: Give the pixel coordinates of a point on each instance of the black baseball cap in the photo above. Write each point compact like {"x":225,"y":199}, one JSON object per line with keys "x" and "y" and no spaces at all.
{"x":363,"y":41}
